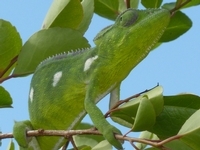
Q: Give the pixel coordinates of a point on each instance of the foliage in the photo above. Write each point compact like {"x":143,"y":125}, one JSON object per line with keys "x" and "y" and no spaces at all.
{"x":149,"y":112}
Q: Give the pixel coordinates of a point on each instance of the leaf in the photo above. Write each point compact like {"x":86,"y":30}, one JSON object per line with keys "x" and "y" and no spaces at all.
{"x":107,"y":8}
{"x":89,"y":140}
{"x":146,"y":135}
{"x":84,"y":141}
{"x":11,"y":145}
{"x":84,"y":147}
{"x":173,"y":4}
{"x":88,"y":10}
{"x":64,"y":13}
{"x":156,"y":97}
{"x":103,"y":145}
{"x":173,"y":145}
{"x":192,"y":3}
{"x":191,"y":131}
{"x":46,"y":43}
{"x":152,"y":3}
{"x":123,"y":5}
{"x":128,"y":113}
{"x":5,"y":98}
{"x":145,"y":117}
{"x":177,"y":144}
{"x":134,"y":3}
{"x":179,"y":24}
{"x":10,"y":46}
{"x":177,"y":109}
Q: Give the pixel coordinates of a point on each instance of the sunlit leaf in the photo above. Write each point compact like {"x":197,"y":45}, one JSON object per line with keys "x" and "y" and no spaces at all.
{"x":151,"y":4}
{"x":11,"y":145}
{"x":88,"y":10}
{"x":177,"y":109}
{"x":64,"y":13}
{"x":179,"y":24}
{"x":191,"y":131}
{"x":46,"y":43}
{"x":10,"y":46}
{"x":107,"y":8}
{"x":5,"y":98}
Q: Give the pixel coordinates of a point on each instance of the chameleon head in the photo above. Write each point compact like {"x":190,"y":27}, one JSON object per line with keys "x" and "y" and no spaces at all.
{"x":134,"y":32}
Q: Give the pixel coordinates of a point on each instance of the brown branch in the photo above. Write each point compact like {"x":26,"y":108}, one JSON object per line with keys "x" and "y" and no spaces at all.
{"x":12,"y":62}
{"x":13,"y":76}
{"x":115,"y":107}
{"x":179,"y":6}
{"x":70,"y":133}
{"x":128,"y":5}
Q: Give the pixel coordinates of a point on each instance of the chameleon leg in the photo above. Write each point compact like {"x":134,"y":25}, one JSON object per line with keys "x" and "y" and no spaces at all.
{"x":99,"y":121}
{"x":114,"y":96}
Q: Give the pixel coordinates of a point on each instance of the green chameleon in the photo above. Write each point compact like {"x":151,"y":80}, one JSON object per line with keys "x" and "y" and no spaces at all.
{"x":67,"y":86}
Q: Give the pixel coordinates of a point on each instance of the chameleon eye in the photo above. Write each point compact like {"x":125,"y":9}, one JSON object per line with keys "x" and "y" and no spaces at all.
{"x":128,"y":17}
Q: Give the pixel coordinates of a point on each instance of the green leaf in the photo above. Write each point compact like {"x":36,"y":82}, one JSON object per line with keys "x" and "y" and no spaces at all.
{"x":179,"y":24}
{"x":152,"y":148}
{"x":192,"y":3}
{"x":128,"y":113}
{"x":88,"y":10}
{"x":131,"y":4}
{"x":5,"y":98}
{"x":11,"y":145}
{"x":46,"y":43}
{"x":146,"y":135}
{"x":177,"y":144}
{"x":145,"y":117}
{"x":84,"y":147}
{"x":83,"y":140}
{"x":177,"y":109}
{"x":107,"y":8}
{"x":134,"y":3}
{"x":183,"y":100}
{"x":156,"y":97}
{"x":191,"y":131}
{"x":10,"y":46}
{"x":64,"y":13}
{"x":152,"y":3}
{"x":103,"y":145}
{"x":171,"y":5}
{"x":89,"y":140}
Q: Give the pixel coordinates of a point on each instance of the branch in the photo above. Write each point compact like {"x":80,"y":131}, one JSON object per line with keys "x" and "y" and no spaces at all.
{"x":176,"y":8}
{"x":70,"y":133}
{"x":12,"y":62}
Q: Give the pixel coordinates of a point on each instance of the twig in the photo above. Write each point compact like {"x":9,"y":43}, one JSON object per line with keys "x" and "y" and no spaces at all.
{"x":70,"y":133}
{"x":115,"y":107}
{"x":12,"y":62}
{"x":128,"y":5}
{"x":172,"y":11}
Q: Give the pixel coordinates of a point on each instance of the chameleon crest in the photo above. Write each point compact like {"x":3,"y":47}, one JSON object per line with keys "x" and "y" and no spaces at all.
{"x":67,"y":86}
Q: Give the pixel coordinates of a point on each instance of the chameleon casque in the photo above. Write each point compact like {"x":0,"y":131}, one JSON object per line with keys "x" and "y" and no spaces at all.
{"x":66,"y":86}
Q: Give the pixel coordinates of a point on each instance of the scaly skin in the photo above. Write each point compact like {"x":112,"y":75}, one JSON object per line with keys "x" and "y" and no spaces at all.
{"x":63,"y":87}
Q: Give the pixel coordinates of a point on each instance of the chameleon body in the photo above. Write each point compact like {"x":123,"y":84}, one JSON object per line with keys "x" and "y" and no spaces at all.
{"x":67,"y":86}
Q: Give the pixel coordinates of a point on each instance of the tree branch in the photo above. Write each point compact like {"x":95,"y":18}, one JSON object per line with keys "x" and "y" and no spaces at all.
{"x":70,"y":133}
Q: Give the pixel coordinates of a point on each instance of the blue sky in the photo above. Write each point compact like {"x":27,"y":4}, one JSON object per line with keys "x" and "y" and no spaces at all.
{"x":174,"y":65}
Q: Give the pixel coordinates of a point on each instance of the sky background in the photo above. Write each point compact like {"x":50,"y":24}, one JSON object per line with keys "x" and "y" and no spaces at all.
{"x":174,"y":65}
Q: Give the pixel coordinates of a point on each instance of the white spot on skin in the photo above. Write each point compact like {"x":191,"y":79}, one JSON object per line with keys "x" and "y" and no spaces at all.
{"x":56,"y":78}
{"x":88,"y":62}
{"x":31,"y":94}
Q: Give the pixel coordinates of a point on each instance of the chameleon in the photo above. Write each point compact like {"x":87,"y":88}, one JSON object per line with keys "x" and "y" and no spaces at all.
{"x":66,"y":87}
